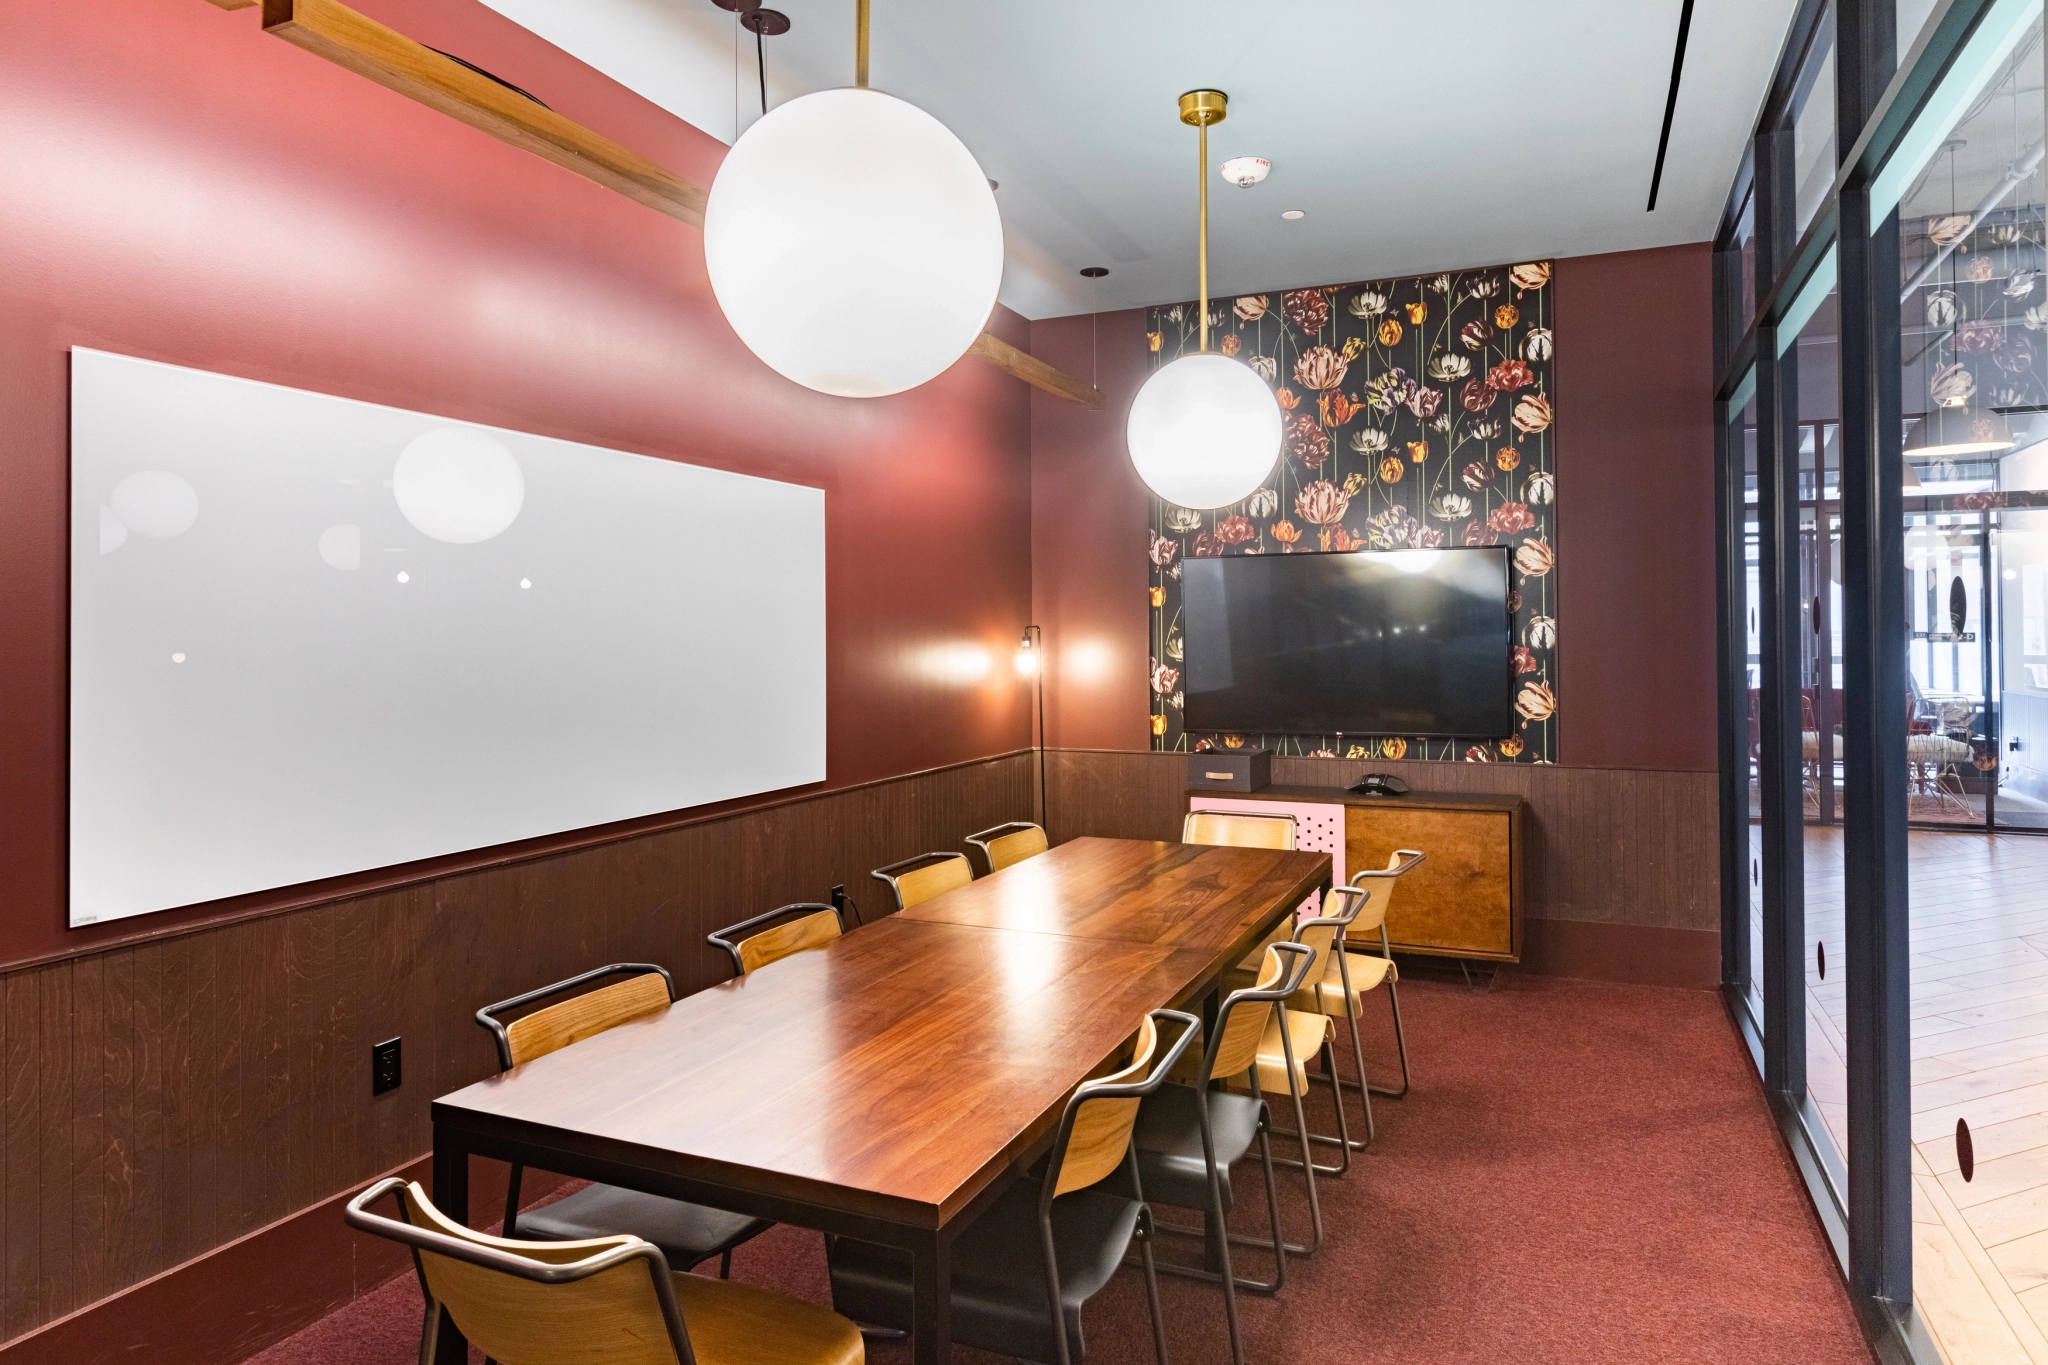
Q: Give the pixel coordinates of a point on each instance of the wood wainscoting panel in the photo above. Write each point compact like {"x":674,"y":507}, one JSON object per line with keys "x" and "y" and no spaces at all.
{"x":169,"y":1097}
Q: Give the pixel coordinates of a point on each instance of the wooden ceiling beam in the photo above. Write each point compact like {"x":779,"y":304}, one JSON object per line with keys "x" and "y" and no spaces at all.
{"x":329,"y":29}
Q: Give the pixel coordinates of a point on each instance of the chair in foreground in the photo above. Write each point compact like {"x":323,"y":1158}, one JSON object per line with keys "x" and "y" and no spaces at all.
{"x":1025,"y":1267}
{"x":1007,"y":844}
{"x":926,"y":875}
{"x":601,"y":1301}
{"x":771,"y":937}
{"x":687,"y":1234}
{"x":1190,"y":1133}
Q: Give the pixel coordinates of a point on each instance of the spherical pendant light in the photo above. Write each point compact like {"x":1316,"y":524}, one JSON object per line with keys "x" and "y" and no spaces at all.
{"x":853,"y":243}
{"x":1204,"y":431}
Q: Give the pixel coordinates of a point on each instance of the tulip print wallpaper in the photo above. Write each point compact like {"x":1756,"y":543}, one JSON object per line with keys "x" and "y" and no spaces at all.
{"x":1417,"y":415}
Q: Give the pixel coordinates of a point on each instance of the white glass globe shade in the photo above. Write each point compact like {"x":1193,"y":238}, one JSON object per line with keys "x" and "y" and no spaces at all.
{"x":1204,"y":431}
{"x":853,"y":243}
{"x":458,"y":485}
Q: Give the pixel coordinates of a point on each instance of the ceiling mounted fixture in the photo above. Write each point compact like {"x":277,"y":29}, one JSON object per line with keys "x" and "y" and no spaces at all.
{"x":1294,"y":215}
{"x":1094,"y":272}
{"x":852,"y":241}
{"x":1205,"y":430}
{"x":1245,"y":171}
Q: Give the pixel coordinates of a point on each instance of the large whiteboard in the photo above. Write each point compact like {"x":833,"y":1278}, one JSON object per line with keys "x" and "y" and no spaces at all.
{"x":312,"y":636}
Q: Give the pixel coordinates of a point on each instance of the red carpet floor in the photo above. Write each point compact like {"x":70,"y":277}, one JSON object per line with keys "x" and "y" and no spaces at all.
{"x":1581,"y":1173}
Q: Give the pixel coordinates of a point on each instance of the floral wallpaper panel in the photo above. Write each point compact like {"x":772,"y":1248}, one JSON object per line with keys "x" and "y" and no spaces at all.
{"x":1418,"y":414}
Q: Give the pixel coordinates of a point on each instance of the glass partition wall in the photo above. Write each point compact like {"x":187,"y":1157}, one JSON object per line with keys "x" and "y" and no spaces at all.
{"x":1881,"y":284}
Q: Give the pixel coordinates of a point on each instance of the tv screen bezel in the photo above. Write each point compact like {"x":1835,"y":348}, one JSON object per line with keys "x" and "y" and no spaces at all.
{"x":1505,"y":555}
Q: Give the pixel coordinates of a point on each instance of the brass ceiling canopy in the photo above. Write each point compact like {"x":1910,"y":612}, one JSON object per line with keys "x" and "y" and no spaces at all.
{"x":1200,"y":108}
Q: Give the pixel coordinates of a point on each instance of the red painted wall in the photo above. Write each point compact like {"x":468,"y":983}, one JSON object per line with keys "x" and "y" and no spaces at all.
{"x":1635,"y":508}
{"x":1088,"y":517}
{"x":1635,"y":470}
{"x":183,"y":187}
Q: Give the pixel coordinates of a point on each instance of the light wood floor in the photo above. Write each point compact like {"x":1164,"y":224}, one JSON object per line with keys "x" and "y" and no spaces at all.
{"x":1979,"y":934}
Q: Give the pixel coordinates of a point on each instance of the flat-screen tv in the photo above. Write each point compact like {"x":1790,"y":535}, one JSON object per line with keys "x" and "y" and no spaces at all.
{"x":1401,"y":642}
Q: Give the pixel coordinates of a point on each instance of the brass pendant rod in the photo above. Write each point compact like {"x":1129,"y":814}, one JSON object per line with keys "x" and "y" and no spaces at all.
{"x":860,"y":44}
{"x":1203,"y":172}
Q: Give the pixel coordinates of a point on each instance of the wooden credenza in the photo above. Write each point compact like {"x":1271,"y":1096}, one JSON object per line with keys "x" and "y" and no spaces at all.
{"x":1466,"y":901}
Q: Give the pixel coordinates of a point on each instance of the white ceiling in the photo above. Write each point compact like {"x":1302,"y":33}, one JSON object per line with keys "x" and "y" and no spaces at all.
{"x":1416,"y":137}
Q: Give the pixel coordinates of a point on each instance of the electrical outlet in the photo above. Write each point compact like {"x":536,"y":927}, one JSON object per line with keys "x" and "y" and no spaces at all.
{"x":839,"y":898}
{"x":387,"y":1066}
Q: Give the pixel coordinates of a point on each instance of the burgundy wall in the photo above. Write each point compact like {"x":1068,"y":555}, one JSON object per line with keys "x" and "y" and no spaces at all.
{"x":1635,"y":470}
{"x":1635,"y":507}
{"x":183,"y":187}
{"x":1088,"y":510}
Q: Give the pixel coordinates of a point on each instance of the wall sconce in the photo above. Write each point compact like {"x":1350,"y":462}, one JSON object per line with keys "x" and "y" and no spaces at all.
{"x":1031,"y":664}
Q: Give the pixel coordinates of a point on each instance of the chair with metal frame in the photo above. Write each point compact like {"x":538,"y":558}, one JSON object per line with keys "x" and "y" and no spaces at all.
{"x":787,"y":929}
{"x":926,"y":875}
{"x":1190,"y":1133}
{"x":1007,"y":844}
{"x":1308,"y":1031}
{"x":687,"y":1234}
{"x":1025,"y":1267}
{"x":1362,"y":970}
{"x":600,"y":1301}
{"x":1242,"y":829}
{"x":1238,"y":829}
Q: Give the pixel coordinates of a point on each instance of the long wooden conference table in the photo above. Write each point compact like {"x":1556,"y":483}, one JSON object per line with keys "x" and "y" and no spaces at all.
{"x":890,"y":1085}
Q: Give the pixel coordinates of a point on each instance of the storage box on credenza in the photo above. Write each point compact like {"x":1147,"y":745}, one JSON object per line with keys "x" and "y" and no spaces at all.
{"x":1465,"y":901}
{"x":1230,"y":770}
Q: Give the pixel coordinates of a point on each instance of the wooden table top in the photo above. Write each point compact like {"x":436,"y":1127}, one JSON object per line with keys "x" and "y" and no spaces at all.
{"x":1196,"y":896}
{"x":894,"y":1073}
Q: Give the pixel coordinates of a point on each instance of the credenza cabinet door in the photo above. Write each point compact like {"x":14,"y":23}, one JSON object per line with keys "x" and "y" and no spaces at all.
{"x":1461,"y":901}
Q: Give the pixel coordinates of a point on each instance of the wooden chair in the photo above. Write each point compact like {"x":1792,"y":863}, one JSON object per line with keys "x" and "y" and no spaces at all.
{"x":600,"y":1301}
{"x":1360,"y":970}
{"x":771,"y":937}
{"x":1237,"y":829}
{"x":1024,"y":1268}
{"x":926,"y":875}
{"x":1308,"y":1030}
{"x":1191,"y":1133}
{"x":687,"y":1234}
{"x":1011,"y":843}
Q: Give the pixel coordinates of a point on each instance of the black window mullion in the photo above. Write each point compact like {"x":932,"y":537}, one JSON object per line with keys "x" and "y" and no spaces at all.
{"x":1732,"y":736}
{"x":1875,"y":897}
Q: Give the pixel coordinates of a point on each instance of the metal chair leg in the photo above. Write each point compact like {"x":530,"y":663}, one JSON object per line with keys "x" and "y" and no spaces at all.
{"x":510,"y":1229}
{"x":1342,"y":1141}
{"x":1152,"y":1292}
{"x":725,"y":1264}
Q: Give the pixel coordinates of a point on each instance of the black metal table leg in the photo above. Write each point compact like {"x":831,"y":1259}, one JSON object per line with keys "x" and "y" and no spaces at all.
{"x":451,"y":1196}
{"x":931,"y":1301}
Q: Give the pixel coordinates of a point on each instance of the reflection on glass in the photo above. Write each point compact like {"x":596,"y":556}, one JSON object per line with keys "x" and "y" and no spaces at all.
{"x":1816,"y":386}
{"x":1813,"y":129}
{"x":1744,"y":439}
{"x":1975,"y":406}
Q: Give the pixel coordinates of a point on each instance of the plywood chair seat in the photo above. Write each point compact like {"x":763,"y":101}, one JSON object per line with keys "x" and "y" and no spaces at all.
{"x":1306,"y":1034}
{"x":741,"y":1324}
{"x":1330,"y":995}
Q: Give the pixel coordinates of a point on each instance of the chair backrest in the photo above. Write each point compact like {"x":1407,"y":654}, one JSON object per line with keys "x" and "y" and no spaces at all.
{"x":926,"y":875}
{"x":1341,"y":909}
{"x":607,"y":1301}
{"x":646,"y":989}
{"x":1011,"y":843}
{"x":1094,"y":1135}
{"x":1381,"y":880}
{"x":1241,"y":1022}
{"x":1237,"y":829}
{"x":792,"y":929}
